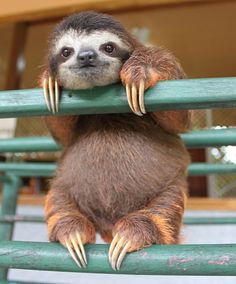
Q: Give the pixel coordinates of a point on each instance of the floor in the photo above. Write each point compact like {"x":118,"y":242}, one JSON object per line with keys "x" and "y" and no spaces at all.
{"x":192,"y":234}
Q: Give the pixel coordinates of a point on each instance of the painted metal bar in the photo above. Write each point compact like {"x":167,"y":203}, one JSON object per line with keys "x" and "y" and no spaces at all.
{"x":29,"y":144}
{"x":155,"y":260}
{"x":21,"y":218}
{"x":197,"y":169}
{"x":166,"y":95}
{"x":209,"y":138}
{"x":29,"y":169}
{"x":48,"y":169}
{"x":8,"y":207}
{"x":202,"y":138}
{"x":210,"y":220}
{"x":187,"y":220}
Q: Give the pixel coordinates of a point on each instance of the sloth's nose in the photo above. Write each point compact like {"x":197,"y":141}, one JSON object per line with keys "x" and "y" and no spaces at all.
{"x":87,"y":57}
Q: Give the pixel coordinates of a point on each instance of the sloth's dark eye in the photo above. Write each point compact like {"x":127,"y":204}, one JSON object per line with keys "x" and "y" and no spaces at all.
{"x":66,"y":52}
{"x":109,"y":48}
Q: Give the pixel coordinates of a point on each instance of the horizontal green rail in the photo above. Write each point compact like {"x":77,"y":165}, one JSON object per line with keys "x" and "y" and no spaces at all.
{"x":28,"y":144}
{"x":202,"y":138}
{"x":197,"y":169}
{"x":29,"y":169}
{"x":154,"y":260}
{"x":210,"y":220}
{"x":187,"y":220}
{"x":21,"y":218}
{"x":166,"y":95}
{"x":48,"y":169}
{"x":209,"y":138}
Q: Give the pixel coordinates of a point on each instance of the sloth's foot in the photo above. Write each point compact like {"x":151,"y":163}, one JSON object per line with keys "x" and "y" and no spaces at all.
{"x":51,"y":93}
{"x":132,"y":233}
{"x":136,"y":79}
{"x":72,"y":232}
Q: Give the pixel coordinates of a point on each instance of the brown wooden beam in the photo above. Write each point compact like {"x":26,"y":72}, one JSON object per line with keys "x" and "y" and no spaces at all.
{"x":31,"y":11}
{"x":16,"y":53}
{"x":197,"y":184}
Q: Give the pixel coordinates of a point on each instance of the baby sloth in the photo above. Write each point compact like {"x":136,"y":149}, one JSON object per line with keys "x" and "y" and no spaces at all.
{"x":121,"y":175}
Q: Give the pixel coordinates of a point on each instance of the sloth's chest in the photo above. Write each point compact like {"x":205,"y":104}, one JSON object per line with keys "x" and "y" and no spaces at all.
{"x":118,"y":168}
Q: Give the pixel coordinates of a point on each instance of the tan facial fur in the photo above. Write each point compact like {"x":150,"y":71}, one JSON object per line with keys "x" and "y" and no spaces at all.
{"x":106,"y":72}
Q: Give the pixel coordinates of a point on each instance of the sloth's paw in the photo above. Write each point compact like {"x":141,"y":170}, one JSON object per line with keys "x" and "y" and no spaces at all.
{"x":136,"y":79}
{"x":51,"y":93}
{"x":73,"y":232}
{"x":131,"y":233}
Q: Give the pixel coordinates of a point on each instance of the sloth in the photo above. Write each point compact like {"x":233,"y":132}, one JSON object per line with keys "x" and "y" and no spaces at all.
{"x":121,"y":175}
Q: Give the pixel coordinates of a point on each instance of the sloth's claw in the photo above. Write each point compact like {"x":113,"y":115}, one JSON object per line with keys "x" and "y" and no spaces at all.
{"x":135,"y":100}
{"x":51,"y":94}
{"x":46,"y":96}
{"x":141,"y":96}
{"x":135,"y":97}
{"x":112,"y":246}
{"x":129,"y":98}
{"x":81,"y":247}
{"x":56,"y":95}
{"x":122,"y":255}
{"x":118,"y":249}
{"x":76,"y":249}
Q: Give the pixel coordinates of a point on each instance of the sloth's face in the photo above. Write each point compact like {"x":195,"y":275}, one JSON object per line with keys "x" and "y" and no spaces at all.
{"x":83,"y":60}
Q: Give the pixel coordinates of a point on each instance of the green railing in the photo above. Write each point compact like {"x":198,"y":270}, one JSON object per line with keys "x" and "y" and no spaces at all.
{"x":155,"y":260}
{"x":161,"y":260}
{"x":194,"y":139}
{"x":48,"y":169}
{"x":176,"y":94}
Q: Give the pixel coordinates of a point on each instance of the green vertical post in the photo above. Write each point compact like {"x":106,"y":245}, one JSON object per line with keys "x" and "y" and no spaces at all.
{"x":9,"y":203}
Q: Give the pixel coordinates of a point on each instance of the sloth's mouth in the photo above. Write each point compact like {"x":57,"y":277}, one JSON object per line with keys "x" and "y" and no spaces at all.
{"x":87,"y":66}
{"x":84,"y":66}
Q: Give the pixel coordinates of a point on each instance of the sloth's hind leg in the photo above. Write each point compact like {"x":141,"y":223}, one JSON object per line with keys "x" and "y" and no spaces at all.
{"x":67,"y":225}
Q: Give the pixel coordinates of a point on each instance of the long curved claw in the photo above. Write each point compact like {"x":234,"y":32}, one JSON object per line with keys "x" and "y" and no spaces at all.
{"x":56,"y":95}
{"x":118,"y":249}
{"x":46,"y":96}
{"x":72,"y":253}
{"x":51,"y":94}
{"x":76,"y":249}
{"x":135,"y":100}
{"x":141,"y":96}
{"x":112,"y":246}
{"x":116,"y":252}
{"x":81,"y":247}
{"x":129,"y":98}
{"x":122,"y":255}
{"x":135,"y":97}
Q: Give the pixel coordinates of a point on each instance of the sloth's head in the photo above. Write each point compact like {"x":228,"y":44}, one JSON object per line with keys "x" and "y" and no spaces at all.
{"x":88,"y":49}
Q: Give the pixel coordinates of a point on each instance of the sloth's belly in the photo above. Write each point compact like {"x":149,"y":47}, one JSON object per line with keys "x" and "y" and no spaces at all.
{"x":117,"y":171}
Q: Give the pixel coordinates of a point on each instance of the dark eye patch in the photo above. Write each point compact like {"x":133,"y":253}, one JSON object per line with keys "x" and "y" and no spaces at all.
{"x":66,"y":52}
{"x":111,"y":49}
{"x":56,"y":60}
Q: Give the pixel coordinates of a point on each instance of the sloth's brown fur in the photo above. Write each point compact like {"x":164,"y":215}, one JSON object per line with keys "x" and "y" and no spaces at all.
{"x":121,"y":173}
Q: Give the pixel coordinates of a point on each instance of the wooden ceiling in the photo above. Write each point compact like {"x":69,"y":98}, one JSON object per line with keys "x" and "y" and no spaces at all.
{"x":29,"y":11}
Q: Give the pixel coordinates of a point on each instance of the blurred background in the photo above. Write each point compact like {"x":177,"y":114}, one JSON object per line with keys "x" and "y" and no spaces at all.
{"x":199,"y":33}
